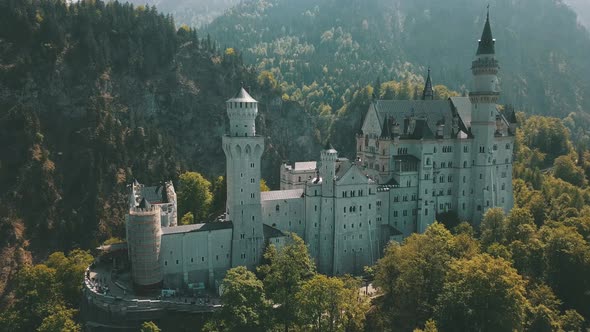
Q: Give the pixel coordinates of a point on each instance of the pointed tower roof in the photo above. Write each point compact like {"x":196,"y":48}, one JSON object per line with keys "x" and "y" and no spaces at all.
{"x":428,"y":92}
{"x":144,"y":204}
{"x":487,"y":41}
{"x":242,"y":96}
{"x":328,"y":146}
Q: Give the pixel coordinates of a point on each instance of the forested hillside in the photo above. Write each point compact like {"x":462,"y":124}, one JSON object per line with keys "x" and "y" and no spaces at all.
{"x":321,"y":51}
{"x":93,"y":95}
{"x":193,"y":13}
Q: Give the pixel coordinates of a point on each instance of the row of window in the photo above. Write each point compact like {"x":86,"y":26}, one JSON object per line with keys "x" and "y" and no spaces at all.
{"x":202,"y":259}
{"x":360,"y":237}
{"x":354,"y":193}
{"x":404,"y":198}
{"x":352,"y":225}
{"x":353,"y":209}
{"x":353,"y":250}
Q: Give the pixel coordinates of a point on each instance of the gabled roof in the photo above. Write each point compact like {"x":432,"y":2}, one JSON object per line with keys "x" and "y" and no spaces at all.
{"x":432,"y":111}
{"x":155,"y":195}
{"x":242,"y":96}
{"x":487,"y":41}
{"x":345,"y":168}
{"x":144,"y":204}
{"x":342,"y":166}
{"x":463,"y":107}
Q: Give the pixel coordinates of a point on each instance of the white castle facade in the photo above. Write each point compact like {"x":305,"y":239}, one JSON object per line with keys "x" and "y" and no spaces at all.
{"x":415,"y":160}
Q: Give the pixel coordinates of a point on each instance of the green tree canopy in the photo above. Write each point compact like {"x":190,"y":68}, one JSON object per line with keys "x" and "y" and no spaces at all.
{"x":482,"y":294}
{"x":493,"y":227}
{"x":411,"y":275}
{"x":287,"y":269}
{"x":566,"y":169}
{"x":187,"y":219}
{"x":70,"y":272}
{"x":62,"y":319}
{"x":245,"y":307}
{"x":567,"y":260}
{"x":321,"y":301}
{"x":194,"y":195}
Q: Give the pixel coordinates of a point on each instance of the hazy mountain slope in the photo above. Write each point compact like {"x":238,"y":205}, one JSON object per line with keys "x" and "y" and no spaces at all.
{"x":542,"y":50}
{"x":194,"y":13}
{"x":582,"y":8}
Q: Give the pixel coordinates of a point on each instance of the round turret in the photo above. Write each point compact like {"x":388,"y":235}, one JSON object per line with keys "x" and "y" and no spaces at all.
{"x":242,"y":110}
{"x":328,"y":158}
{"x":144,"y":234}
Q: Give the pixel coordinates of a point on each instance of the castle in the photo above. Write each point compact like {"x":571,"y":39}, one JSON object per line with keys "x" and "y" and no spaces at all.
{"x":416,"y":159}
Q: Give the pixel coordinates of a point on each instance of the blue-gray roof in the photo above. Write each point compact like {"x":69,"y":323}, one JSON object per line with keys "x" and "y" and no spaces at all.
{"x":242,"y":96}
{"x":281,"y":194}
{"x":210,"y":226}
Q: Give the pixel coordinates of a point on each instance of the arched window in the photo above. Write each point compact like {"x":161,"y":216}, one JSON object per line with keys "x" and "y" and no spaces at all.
{"x":465,"y":164}
{"x":277,"y":208}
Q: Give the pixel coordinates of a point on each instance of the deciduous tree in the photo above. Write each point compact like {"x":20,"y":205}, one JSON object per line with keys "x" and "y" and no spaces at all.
{"x":287,"y":269}
{"x":482,"y":294}
{"x":245,"y":307}
{"x":194,"y":195}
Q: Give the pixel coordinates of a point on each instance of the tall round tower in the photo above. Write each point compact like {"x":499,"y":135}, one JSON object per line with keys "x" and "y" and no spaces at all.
{"x":484,"y":99}
{"x":328,"y":159}
{"x":243,"y":151}
{"x":144,"y":234}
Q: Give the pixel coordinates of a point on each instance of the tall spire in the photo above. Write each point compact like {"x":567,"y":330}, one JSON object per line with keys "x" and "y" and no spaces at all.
{"x":428,"y":92}
{"x":487,"y":41}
